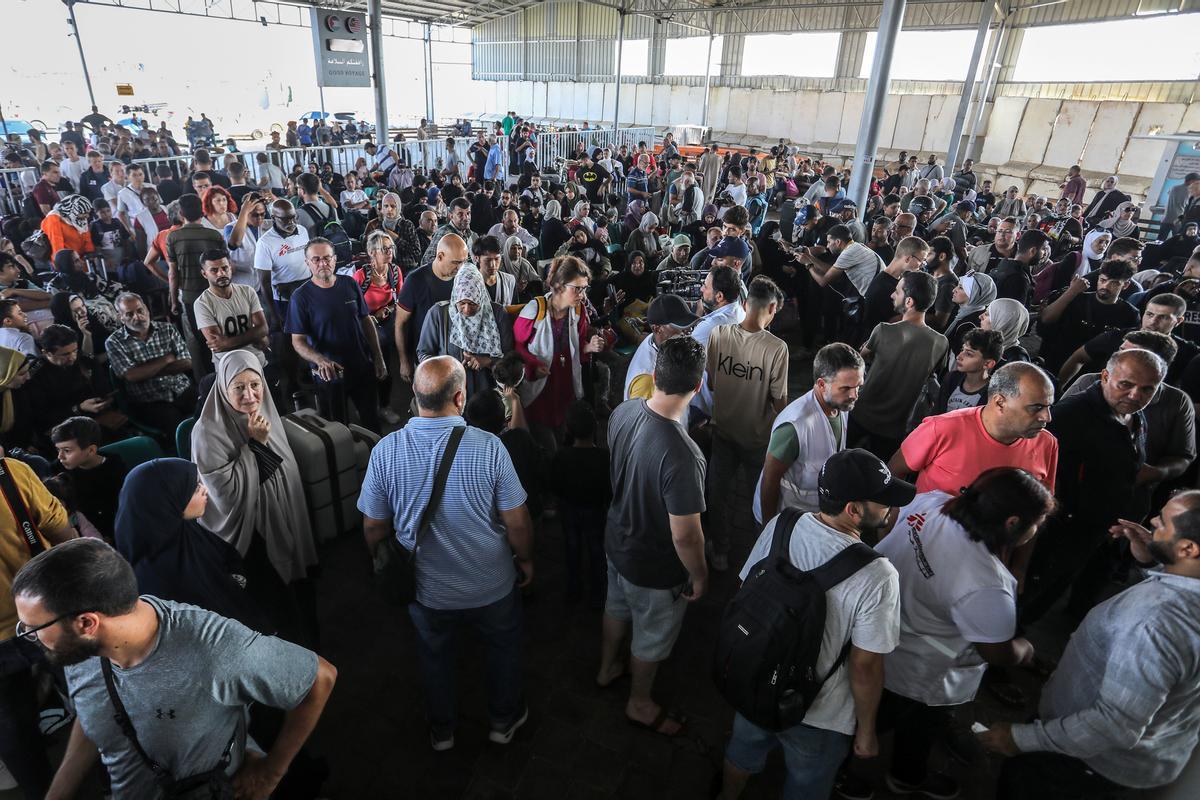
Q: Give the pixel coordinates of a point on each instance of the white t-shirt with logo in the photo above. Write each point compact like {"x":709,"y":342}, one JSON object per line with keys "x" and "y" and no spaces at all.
{"x":282,"y":257}
{"x":231,"y":317}
{"x":864,"y":610}
{"x":953,"y":592}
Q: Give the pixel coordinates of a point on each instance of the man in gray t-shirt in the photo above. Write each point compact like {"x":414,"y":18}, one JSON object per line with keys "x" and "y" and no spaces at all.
{"x":185,"y":676}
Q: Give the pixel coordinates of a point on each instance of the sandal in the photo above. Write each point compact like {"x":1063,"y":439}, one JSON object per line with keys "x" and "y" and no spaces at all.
{"x":656,"y":725}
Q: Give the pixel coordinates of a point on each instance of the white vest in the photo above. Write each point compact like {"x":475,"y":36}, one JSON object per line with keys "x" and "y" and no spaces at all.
{"x":798,"y":487}
{"x":642,"y":363}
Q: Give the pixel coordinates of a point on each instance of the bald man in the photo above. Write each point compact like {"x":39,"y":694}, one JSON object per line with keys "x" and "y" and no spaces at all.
{"x":423,"y":288}
{"x":476,"y":550}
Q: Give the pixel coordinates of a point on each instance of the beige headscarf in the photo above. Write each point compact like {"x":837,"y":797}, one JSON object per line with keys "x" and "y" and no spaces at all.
{"x":11,"y":362}
{"x":239,"y":506}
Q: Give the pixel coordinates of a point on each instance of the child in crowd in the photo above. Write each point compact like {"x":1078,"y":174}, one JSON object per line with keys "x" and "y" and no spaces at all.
{"x":966,"y":385}
{"x":580,"y":478}
{"x":96,"y":479}
{"x":109,"y":236}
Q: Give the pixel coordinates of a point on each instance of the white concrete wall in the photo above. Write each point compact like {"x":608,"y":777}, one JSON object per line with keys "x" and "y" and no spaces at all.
{"x":1028,"y":142}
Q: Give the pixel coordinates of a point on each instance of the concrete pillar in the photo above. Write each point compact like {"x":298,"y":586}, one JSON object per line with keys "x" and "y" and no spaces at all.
{"x":429,"y":73}
{"x":707,"y":80}
{"x":87,"y":78}
{"x":986,"y":12}
{"x":617,"y":72}
{"x":375,"y":22}
{"x":991,"y":69}
{"x":890,"y":22}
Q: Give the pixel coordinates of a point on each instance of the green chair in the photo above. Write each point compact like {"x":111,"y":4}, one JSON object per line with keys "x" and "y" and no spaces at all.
{"x":183,"y":438}
{"x":134,"y":450}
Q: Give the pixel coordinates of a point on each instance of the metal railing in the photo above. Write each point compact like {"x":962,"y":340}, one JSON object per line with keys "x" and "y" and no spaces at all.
{"x":14,"y":185}
{"x":549,"y":147}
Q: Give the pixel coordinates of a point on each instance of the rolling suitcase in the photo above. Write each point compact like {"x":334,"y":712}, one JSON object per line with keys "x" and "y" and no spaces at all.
{"x":326,"y":455}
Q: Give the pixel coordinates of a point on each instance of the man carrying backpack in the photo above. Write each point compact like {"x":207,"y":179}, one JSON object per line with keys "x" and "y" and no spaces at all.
{"x":814,"y":721}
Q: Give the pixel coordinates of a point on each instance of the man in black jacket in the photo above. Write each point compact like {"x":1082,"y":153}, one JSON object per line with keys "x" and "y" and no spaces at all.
{"x":1013,"y":276}
{"x":1101,"y":436}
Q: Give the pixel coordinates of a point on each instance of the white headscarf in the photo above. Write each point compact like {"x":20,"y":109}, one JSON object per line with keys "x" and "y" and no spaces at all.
{"x":648,"y":222}
{"x":1008,"y":318}
{"x":1089,"y":243}
{"x":553,"y":210}
{"x":980,"y":290}
{"x":476,"y":334}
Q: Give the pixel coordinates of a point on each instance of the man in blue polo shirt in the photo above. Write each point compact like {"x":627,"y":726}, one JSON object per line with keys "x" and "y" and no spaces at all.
{"x":465,"y":562}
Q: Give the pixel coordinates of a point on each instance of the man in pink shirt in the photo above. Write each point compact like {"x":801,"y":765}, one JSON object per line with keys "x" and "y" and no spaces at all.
{"x":1074,"y":186}
{"x":948,"y":451}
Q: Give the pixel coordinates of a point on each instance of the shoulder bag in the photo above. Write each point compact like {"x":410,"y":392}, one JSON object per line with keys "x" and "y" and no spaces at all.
{"x":396,"y":565}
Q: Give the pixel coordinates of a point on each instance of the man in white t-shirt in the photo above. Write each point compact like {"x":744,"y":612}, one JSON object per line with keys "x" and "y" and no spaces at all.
{"x":958,"y":613}
{"x":668,"y":315}
{"x":116,"y":182}
{"x":862,"y":618}
{"x":229,"y":315}
{"x":129,"y":198}
{"x":241,"y":237}
{"x":72,"y":165}
{"x":279,"y":259}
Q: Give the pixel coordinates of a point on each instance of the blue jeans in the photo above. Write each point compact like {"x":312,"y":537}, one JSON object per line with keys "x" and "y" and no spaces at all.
{"x":812,"y":755}
{"x":499,"y":626}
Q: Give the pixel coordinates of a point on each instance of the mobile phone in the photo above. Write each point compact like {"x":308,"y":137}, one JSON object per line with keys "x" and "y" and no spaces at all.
{"x":978,"y":727}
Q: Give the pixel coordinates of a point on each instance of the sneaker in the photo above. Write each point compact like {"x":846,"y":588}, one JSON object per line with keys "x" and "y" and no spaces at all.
{"x":505,"y":736}
{"x":720,"y":562}
{"x":440,"y":745}
{"x":936,"y":785}
{"x":851,"y":787}
{"x":389,"y":416}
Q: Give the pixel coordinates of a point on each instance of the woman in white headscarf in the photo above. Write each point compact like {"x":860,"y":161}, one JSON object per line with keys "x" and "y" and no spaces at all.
{"x":468,"y":327}
{"x":1011,"y":320}
{"x":1122,"y":223}
{"x":645,"y":239}
{"x":403,"y":233}
{"x":974,"y":292}
{"x":514,"y":264}
{"x":255,"y":496}
{"x":1079,"y":262}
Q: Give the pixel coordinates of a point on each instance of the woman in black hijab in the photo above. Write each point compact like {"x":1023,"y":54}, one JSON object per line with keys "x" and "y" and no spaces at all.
{"x":172,"y":556}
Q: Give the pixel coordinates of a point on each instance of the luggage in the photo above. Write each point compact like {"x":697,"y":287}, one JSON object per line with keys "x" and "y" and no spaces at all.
{"x":364,"y":442}
{"x":328,"y":455}
{"x":771,"y":633}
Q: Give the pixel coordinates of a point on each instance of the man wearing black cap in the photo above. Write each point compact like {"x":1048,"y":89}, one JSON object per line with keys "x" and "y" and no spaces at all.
{"x":848,"y":213}
{"x":732,"y":252}
{"x":747,"y":378}
{"x":668,"y":315}
{"x":857,"y":497}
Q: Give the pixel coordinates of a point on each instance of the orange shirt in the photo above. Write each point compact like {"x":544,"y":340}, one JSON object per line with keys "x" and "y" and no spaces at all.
{"x":64,"y":236}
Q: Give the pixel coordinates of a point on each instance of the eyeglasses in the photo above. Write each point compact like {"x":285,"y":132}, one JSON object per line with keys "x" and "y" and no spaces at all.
{"x":31,"y":634}
{"x":577,"y":289}
{"x":322,"y":259}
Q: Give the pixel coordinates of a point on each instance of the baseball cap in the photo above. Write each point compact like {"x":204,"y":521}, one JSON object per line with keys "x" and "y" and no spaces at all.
{"x":669,"y":309}
{"x":681,"y":240}
{"x":731,"y":246}
{"x":848,"y":203}
{"x":855,"y":475}
{"x":966,"y":205}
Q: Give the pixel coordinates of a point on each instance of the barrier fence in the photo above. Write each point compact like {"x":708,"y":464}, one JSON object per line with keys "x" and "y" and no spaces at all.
{"x":548,"y":152}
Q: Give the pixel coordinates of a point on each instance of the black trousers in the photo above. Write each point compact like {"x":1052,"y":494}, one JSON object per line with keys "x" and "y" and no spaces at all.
{"x":357,"y":386}
{"x":917,"y":728}
{"x":1062,"y":553}
{"x":21,"y":747}
{"x":1050,"y":776}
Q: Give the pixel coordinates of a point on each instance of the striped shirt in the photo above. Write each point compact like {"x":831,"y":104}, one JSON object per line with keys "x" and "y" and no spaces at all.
{"x":464,"y":560}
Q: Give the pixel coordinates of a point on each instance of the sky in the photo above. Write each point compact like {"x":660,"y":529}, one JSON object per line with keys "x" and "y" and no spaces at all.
{"x":242,"y":74}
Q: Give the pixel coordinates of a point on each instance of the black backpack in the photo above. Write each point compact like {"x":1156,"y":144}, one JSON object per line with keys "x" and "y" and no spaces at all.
{"x":770,"y":635}
{"x":332,"y":229}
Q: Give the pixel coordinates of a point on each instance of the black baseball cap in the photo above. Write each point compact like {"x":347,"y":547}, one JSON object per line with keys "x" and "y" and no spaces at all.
{"x":855,"y":475}
{"x":670,"y":309}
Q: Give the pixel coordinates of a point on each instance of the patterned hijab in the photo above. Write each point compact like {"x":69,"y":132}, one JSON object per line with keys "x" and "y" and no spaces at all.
{"x":478,"y":333}
{"x":72,"y":209}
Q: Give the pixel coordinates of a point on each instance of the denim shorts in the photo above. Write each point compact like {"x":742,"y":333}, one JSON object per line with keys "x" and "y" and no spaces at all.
{"x":657,"y":615}
{"x":812,"y":755}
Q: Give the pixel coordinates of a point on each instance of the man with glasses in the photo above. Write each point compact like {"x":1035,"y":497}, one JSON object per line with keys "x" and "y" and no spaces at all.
{"x":279,"y":259}
{"x":21,"y":747}
{"x":241,"y":237}
{"x":153,"y":361}
{"x":984,"y":258}
{"x":333,"y":331}
{"x":903,"y":227}
{"x":423,"y":289}
{"x":184,"y":678}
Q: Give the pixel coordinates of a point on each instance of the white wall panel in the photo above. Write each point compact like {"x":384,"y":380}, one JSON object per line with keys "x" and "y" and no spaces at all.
{"x":829,"y":116}
{"x":524,"y":100}
{"x":739,"y":111}
{"x":939,"y":124}
{"x":595,"y":102}
{"x":910,"y":121}
{"x":645,"y":104}
{"x":695,"y":111}
{"x":554,"y":99}
{"x":718,"y":108}
{"x":887,"y":125}
{"x":628,"y":103}
{"x":661,"y":112}
{"x":759,"y":123}
{"x":1191,"y":119}
{"x":539,"y":98}
{"x":1141,"y":157}
{"x":1072,"y":127}
{"x":804,"y":117}
{"x":780,"y":114}
{"x":1002,"y":127}
{"x":1036,"y":127}
{"x":579,"y":101}
{"x":1110,"y":132}
{"x":681,"y":97}
{"x":852,"y":109}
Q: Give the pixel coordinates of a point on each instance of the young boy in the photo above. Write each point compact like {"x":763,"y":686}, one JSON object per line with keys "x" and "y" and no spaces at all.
{"x":95,"y":479}
{"x":966,"y":385}
{"x":579,"y":476}
{"x":109,"y":236}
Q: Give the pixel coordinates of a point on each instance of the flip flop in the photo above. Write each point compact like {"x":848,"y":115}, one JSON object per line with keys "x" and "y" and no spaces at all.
{"x":663,"y":716}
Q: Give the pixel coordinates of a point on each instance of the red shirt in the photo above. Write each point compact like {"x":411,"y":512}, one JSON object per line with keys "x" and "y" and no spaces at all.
{"x":951,"y":450}
{"x":378,"y":296}
{"x":45,"y":194}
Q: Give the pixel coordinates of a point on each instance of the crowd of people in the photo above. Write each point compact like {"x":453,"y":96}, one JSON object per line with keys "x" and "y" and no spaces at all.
{"x":1000,"y":426}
